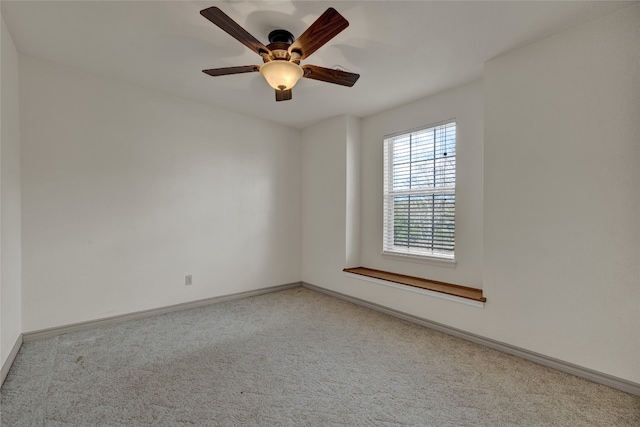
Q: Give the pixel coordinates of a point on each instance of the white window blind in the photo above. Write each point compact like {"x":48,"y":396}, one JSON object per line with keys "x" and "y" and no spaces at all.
{"x":420,"y":191}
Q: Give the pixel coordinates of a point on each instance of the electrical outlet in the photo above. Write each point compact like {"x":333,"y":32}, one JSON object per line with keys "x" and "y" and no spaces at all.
{"x":188,"y":280}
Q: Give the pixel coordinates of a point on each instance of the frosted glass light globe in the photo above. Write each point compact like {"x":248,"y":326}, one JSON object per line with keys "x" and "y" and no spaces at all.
{"x":281,"y":75}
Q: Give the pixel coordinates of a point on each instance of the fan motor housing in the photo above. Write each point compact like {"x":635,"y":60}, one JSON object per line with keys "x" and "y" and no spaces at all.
{"x":280,"y":40}
{"x":281,"y":36}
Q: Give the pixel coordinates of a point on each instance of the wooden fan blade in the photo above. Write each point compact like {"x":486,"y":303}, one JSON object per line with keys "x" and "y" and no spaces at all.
{"x":326,"y":27}
{"x":283,"y":95}
{"x":329,"y":75}
{"x":227,"y":24}
{"x":231,"y":70}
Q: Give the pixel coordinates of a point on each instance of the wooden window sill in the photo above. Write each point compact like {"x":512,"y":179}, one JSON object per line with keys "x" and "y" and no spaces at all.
{"x":473,"y":294}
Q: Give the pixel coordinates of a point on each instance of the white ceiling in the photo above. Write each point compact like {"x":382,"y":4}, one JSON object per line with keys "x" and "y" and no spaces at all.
{"x":402,"y":50}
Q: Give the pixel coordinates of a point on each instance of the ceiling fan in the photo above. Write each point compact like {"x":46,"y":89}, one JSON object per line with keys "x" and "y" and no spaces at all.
{"x":281,"y":58}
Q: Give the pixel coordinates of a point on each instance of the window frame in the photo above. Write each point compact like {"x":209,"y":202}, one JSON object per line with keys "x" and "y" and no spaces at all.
{"x":412,"y":254}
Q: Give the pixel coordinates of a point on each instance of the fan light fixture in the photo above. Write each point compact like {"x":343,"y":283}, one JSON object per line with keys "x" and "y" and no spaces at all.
{"x":281,"y":75}
{"x":281,"y":58}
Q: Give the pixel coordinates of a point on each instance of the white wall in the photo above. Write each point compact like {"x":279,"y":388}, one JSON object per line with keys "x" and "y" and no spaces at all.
{"x":324,"y":165}
{"x":10,"y":251}
{"x":324,"y":160}
{"x":334,"y":200}
{"x":552,"y":235}
{"x":126,"y":190}
{"x":331,"y":199}
{"x":562,"y":217}
{"x":463,"y":103}
{"x":353,"y":194}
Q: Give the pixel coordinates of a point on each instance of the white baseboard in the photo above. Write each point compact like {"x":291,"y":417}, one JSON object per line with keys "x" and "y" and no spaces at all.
{"x":579,"y":371}
{"x":12,"y":356}
{"x":59,"y":330}
{"x":570,"y":368}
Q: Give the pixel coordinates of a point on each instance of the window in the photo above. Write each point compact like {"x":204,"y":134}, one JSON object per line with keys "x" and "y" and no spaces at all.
{"x":420,"y":192}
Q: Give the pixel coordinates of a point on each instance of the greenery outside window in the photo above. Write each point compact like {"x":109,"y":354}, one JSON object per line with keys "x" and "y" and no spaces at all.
{"x":420,"y":192}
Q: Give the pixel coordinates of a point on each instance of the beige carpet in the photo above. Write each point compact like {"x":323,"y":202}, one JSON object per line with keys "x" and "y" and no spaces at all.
{"x":292,"y":358}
